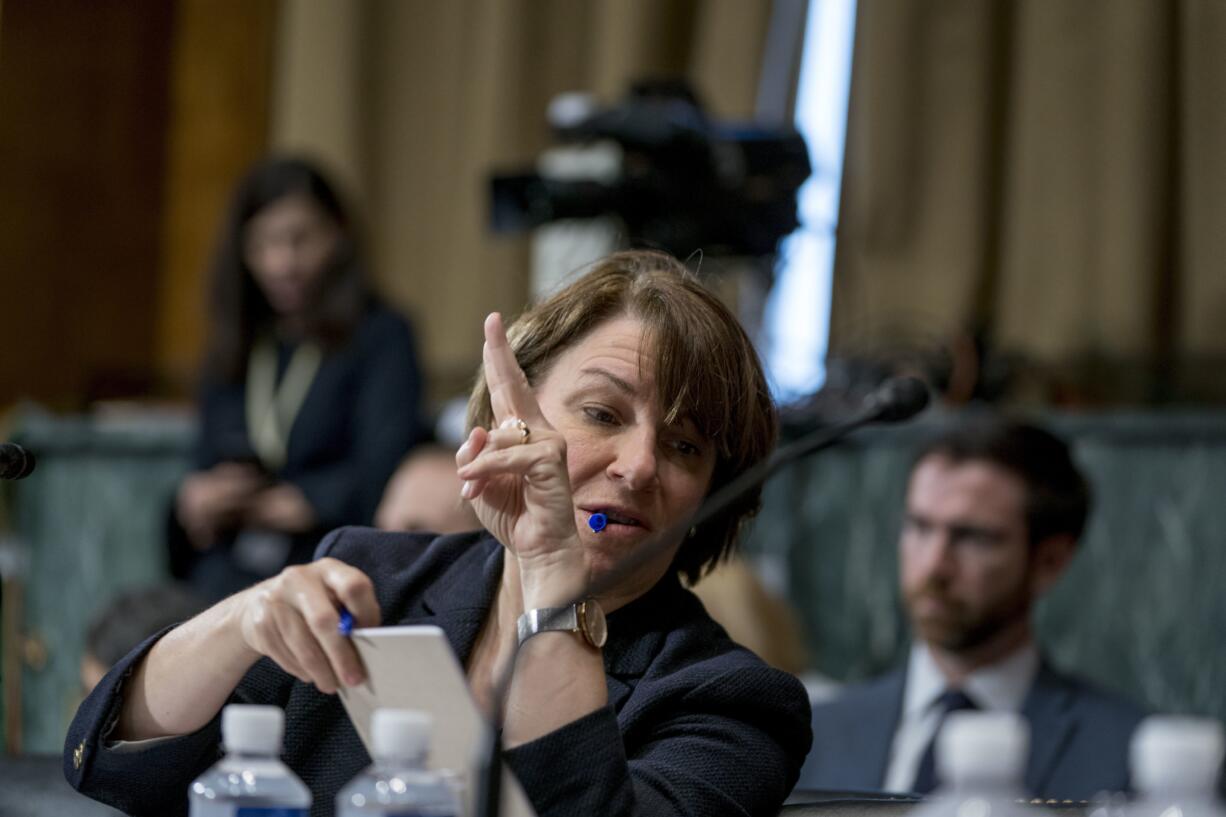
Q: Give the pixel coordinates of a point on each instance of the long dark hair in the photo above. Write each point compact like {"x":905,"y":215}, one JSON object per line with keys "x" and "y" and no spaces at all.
{"x":237,"y":306}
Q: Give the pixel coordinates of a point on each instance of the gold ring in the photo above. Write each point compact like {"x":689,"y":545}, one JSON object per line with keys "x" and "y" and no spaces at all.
{"x":523,"y":430}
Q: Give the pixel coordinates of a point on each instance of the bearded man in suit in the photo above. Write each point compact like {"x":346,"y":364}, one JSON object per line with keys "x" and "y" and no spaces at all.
{"x":993,"y":514}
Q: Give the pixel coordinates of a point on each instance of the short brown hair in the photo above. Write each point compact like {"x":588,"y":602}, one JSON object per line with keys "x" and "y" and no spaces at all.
{"x":706,"y":370}
{"x":1058,"y":496}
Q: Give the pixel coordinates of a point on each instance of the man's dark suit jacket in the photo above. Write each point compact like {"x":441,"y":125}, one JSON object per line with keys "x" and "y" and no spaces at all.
{"x":694,"y":724}
{"x":1079,"y":737}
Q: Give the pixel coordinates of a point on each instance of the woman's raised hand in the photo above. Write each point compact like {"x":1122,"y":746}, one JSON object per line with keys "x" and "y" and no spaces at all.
{"x":292,"y":618}
{"x":515,"y":473}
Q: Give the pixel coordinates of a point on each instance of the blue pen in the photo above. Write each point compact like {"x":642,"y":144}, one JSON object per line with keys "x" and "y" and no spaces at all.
{"x":345,"y":625}
{"x":597,"y":522}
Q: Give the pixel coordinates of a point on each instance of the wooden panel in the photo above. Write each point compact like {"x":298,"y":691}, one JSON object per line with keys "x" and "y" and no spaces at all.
{"x":218,"y":127}
{"x":82,"y":119}
{"x":123,"y":127}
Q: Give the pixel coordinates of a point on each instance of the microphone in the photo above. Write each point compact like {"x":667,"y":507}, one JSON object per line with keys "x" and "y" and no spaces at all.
{"x":15,"y":461}
{"x":896,"y":400}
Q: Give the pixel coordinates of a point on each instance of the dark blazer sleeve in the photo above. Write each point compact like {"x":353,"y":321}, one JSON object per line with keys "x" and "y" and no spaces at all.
{"x":153,"y":780}
{"x":723,"y":737}
{"x":385,"y":421}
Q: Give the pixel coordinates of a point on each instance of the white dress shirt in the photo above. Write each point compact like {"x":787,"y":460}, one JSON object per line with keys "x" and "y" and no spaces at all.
{"x":1000,"y":687}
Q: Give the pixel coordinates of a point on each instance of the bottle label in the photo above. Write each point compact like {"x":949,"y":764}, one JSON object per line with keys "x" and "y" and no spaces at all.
{"x":270,"y":812}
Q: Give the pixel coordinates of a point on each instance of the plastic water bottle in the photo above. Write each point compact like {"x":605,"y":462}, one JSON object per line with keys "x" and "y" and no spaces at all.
{"x":980,"y":763}
{"x":1175,"y":765}
{"x":398,"y":784}
{"x":251,"y":780}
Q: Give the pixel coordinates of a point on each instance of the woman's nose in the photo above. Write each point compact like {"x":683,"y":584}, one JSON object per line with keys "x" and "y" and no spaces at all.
{"x":279,"y":258}
{"x":635,"y":461}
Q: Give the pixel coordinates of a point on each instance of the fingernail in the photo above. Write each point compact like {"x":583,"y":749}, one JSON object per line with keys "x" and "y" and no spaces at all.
{"x":353,"y":679}
{"x":466,"y":490}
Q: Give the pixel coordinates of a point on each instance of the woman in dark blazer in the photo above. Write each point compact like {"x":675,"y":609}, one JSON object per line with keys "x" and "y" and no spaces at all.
{"x":310,"y":391}
{"x":601,"y":421}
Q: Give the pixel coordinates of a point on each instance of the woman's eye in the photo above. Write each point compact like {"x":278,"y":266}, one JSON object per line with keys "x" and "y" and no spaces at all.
{"x":599,"y":415}
{"x":687,"y":448}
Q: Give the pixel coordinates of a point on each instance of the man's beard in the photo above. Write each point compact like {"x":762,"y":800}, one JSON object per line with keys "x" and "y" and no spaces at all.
{"x":959,"y":629}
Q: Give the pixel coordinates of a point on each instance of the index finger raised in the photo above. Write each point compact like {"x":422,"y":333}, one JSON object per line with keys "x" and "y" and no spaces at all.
{"x":510,"y":394}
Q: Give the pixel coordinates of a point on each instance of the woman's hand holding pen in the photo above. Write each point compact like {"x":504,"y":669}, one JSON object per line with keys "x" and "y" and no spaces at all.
{"x":293,"y":619}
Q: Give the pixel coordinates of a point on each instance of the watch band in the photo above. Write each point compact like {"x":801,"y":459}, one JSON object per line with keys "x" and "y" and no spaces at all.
{"x":585,"y":618}
{"x":546,"y":619}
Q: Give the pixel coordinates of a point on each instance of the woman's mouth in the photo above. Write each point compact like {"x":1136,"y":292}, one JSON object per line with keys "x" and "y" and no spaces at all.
{"x":614,"y":516}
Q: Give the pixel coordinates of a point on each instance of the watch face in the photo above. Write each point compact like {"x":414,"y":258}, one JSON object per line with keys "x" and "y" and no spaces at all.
{"x":591,"y":620}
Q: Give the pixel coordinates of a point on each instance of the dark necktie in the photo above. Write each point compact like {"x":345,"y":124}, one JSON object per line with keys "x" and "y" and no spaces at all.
{"x":952,"y":700}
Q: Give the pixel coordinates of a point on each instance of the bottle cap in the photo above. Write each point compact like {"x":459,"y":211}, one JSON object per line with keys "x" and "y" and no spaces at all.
{"x":1177,"y":753}
{"x":982,"y":747}
{"x":400,"y":733}
{"x":256,"y":730}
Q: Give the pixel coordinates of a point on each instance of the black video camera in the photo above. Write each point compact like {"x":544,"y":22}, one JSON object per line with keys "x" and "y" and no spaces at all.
{"x":684,"y":183}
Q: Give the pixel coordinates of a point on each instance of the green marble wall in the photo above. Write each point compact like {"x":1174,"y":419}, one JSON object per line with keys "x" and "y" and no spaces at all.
{"x":1140,"y":609}
{"x":91,"y":520}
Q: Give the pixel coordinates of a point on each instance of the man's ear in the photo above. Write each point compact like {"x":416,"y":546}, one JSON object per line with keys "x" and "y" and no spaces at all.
{"x":1048,"y":561}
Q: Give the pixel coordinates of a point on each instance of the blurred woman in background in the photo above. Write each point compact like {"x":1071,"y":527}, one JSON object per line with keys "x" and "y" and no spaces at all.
{"x":310,"y":392}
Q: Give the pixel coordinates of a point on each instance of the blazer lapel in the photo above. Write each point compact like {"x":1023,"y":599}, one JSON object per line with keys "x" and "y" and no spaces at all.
{"x":459,"y":600}
{"x":878,"y":720}
{"x":852,"y":736}
{"x":1052,"y":724}
{"x":637,"y":634}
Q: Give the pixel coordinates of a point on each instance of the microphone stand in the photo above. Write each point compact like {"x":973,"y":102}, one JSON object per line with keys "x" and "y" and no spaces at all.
{"x":898,"y":399}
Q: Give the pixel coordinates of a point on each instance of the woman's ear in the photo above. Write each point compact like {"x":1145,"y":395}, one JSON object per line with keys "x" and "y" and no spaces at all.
{"x":1050,"y":558}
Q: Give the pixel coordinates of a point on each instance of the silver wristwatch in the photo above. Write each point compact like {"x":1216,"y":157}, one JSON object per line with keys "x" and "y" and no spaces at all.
{"x":585,"y":618}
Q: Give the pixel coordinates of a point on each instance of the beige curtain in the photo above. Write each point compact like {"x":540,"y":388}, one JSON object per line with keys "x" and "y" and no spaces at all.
{"x":413,"y":103}
{"x":1047,"y":173}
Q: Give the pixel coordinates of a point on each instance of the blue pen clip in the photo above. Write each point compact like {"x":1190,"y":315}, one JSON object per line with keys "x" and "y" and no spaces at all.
{"x":345,"y":625}
{"x":597,"y":522}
